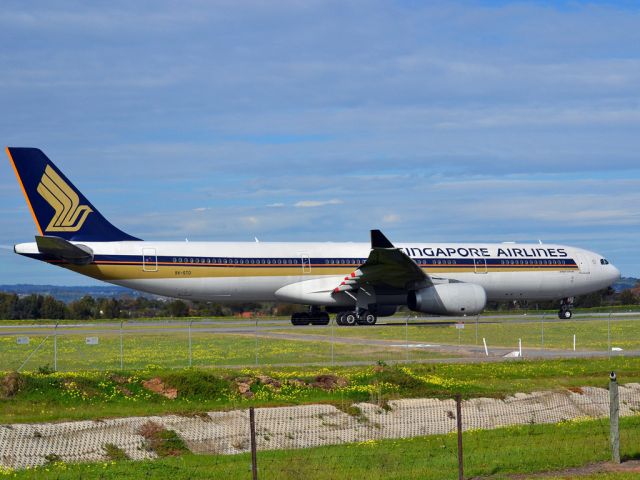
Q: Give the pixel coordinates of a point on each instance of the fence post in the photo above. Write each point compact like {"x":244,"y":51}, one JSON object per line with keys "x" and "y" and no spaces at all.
{"x":55,"y":347}
{"x":609,"y":336}
{"x":614,"y":415}
{"x":190,"y":353}
{"x":332,"y":322}
{"x":477,"y":319}
{"x":121,"y":346}
{"x":252,"y":429}
{"x":257,"y":341}
{"x":406,"y":338}
{"x":459,"y":425}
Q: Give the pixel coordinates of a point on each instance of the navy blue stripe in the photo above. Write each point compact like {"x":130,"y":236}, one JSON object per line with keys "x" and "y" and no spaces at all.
{"x":316,"y":262}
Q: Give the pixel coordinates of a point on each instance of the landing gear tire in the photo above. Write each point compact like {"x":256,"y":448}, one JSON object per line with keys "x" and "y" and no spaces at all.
{"x":340,"y":319}
{"x":565,"y":314}
{"x":349,"y":319}
{"x":300,"y":318}
{"x":322,"y":318}
{"x":367,"y":318}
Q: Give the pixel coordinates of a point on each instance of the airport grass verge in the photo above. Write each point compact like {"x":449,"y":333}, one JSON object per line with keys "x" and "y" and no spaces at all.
{"x":89,"y":395}
{"x":494,"y":454}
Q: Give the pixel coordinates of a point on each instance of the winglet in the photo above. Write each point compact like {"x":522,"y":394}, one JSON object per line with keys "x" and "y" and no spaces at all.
{"x":378,"y":240}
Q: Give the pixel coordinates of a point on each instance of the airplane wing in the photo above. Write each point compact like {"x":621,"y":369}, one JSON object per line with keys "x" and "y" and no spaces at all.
{"x":388,"y":268}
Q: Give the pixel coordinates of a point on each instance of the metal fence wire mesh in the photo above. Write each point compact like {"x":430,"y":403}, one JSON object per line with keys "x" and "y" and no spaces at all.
{"x":408,"y":438}
{"x":130,"y":345}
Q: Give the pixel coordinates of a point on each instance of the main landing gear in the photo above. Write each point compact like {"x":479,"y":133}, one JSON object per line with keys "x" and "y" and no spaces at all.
{"x":348,"y":319}
{"x":566,"y":305}
{"x":317,"y":317}
{"x":313,"y":317}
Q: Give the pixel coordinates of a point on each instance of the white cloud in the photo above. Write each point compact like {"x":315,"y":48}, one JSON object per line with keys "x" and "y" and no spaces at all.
{"x":250,"y":221}
{"x":391,"y":218}
{"x":317,"y":203}
{"x":443,"y":121}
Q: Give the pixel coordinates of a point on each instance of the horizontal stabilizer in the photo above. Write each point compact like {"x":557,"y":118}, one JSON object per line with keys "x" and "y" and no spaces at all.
{"x":64,"y":250}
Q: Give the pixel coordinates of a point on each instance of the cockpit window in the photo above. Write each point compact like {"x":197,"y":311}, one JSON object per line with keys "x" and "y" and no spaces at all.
{"x":604,"y":261}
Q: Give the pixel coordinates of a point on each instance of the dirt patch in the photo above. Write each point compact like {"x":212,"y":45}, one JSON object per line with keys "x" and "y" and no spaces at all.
{"x":329,"y":382}
{"x":269,"y":382}
{"x":164,"y":442}
{"x":243,"y":386}
{"x":157,"y":386}
{"x":11,"y":384}
{"x":119,"y":379}
{"x":577,"y":390}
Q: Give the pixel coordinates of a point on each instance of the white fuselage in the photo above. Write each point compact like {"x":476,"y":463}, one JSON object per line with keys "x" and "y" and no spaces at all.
{"x":233,"y":272}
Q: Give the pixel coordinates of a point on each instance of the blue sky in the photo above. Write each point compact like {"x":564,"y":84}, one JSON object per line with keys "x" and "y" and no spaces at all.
{"x":318,"y":120}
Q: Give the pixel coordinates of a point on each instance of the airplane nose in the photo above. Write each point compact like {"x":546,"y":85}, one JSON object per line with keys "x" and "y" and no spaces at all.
{"x":615,"y":274}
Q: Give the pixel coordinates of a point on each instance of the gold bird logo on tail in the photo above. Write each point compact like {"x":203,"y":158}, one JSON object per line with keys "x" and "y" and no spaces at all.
{"x":69,"y":214}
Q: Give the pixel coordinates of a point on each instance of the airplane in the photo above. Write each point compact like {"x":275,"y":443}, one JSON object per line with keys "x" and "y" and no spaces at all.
{"x":359,"y":282}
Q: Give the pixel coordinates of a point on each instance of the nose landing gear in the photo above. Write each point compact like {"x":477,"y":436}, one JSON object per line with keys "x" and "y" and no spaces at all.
{"x":566,"y":305}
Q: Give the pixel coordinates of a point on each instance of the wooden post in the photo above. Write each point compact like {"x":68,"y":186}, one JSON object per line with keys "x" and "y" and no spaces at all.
{"x":459,"y":423}
{"x":252,"y":428}
{"x":614,"y":416}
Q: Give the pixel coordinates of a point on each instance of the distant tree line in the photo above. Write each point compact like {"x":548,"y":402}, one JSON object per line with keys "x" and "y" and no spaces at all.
{"x":15,"y":307}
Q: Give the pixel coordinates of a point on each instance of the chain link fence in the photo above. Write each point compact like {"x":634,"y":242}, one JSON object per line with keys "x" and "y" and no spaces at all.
{"x":410,"y":438}
{"x":254,"y":342}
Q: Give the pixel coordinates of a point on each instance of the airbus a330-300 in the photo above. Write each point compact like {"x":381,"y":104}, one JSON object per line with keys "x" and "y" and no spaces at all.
{"x":359,"y":282}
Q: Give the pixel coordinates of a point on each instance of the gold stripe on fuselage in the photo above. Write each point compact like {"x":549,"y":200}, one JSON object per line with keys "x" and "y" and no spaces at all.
{"x":114,"y":271}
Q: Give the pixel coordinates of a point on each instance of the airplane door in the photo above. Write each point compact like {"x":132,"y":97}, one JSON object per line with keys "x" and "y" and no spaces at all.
{"x":480,"y":265}
{"x":149,"y":260}
{"x":583,"y":264}
{"x":306,"y":263}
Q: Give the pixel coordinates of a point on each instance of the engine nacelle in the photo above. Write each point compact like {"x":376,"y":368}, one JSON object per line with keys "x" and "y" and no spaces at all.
{"x":448,"y":299}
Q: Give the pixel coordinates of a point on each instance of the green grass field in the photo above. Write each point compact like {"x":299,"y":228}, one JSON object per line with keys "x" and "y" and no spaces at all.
{"x":166,"y":344}
{"x":495,"y":454}
{"x":171,"y":349}
{"x":591,"y":334}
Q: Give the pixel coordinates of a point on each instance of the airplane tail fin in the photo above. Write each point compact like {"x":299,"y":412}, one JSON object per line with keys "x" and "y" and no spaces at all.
{"x":57,"y":206}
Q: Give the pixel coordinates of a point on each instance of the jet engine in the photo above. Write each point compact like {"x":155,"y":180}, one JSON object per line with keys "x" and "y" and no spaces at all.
{"x":448,"y":299}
